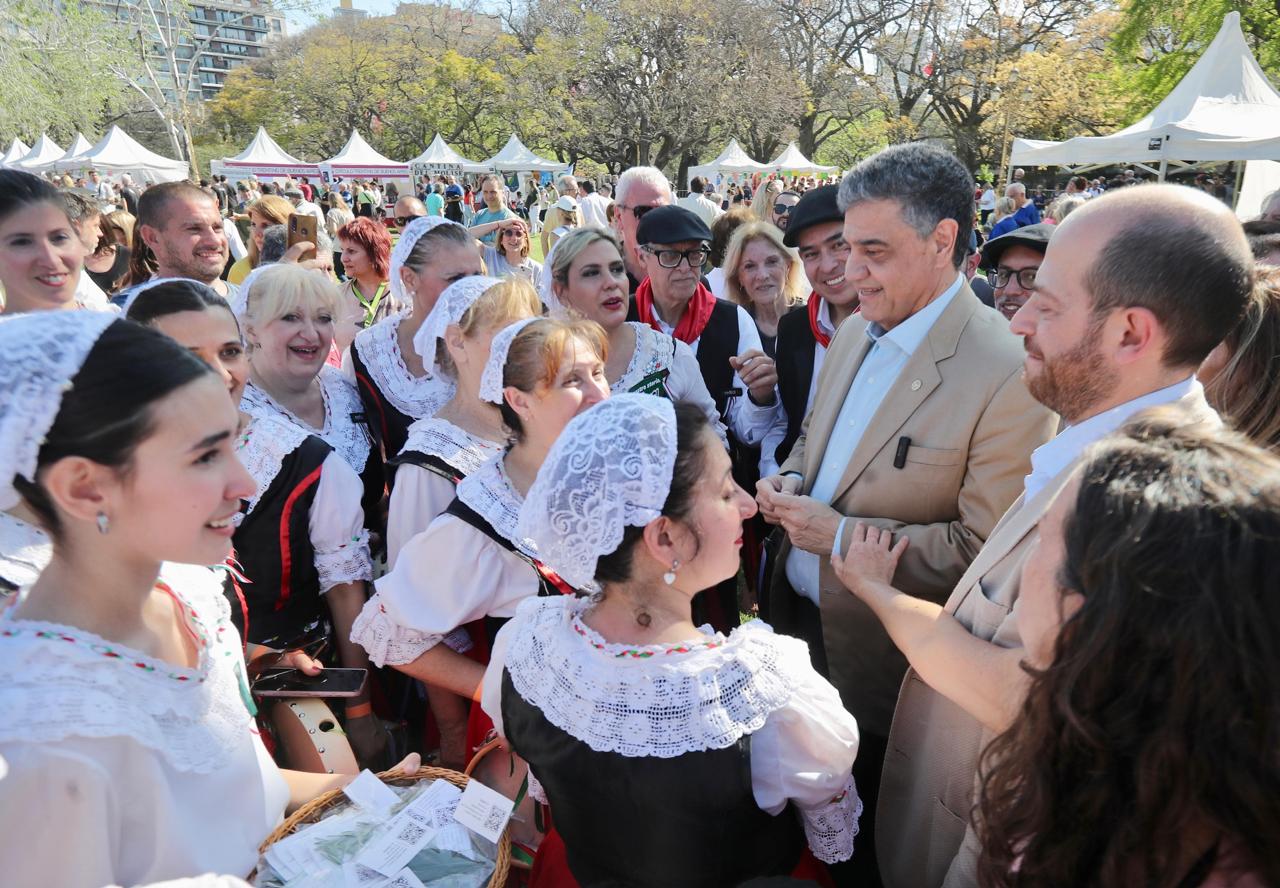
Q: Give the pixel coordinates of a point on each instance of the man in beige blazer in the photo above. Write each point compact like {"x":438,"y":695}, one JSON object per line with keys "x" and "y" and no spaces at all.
{"x":1134,"y":291}
{"x":920,"y":423}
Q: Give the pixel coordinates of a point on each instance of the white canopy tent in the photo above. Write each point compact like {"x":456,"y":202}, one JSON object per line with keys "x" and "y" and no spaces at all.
{"x":118,"y":152}
{"x":359,"y":159}
{"x":792,"y":161}
{"x":79,"y":146}
{"x":265,"y":159}
{"x":17,"y":150}
{"x":732,"y":160}
{"x":441,"y":160}
{"x":1224,"y":109}
{"x":41,"y":156}
{"x":516,"y":158}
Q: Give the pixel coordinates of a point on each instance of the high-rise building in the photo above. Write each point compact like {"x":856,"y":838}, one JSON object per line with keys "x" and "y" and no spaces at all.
{"x":344,"y":10}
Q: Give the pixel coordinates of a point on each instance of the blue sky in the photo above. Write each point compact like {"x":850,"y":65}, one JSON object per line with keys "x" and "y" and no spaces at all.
{"x":298,"y":21}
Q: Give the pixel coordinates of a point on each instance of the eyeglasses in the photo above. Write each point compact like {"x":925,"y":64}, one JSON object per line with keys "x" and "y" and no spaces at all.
{"x":638,"y":212}
{"x":402,"y":221}
{"x":1026,"y":277}
{"x":673,"y":258}
{"x":513,"y":232}
{"x":783,"y":209}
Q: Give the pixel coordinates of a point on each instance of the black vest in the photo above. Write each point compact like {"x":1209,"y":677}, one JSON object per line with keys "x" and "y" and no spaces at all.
{"x":684,"y":822}
{"x":428,"y":461}
{"x":389,"y":427}
{"x":281,"y":593}
{"x":717,"y":344}
{"x":796,"y":349}
{"x":548,"y":582}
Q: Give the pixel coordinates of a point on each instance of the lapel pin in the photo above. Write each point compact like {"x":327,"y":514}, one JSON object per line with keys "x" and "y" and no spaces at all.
{"x":915,"y":385}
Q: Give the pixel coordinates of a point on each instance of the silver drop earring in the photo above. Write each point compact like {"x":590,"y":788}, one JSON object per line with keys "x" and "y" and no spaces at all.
{"x":670,"y":576}
{"x":104,"y":523}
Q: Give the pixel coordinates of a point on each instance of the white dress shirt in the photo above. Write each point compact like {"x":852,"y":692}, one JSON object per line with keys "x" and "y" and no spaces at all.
{"x":889,"y":353}
{"x":778,"y":431}
{"x":1051,"y":457}
{"x":595,"y":209}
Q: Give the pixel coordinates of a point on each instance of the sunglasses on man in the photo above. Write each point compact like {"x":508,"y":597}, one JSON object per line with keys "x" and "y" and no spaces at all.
{"x":402,"y":221}
{"x":638,"y":212}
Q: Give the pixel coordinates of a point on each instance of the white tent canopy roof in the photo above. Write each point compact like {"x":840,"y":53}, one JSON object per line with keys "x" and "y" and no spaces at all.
{"x":731,"y":160}
{"x":264,"y":157}
{"x":17,"y":150}
{"x":41,"y":156}
{"x":516,"y":158}
{"x":1223,"y":109}
{"x":79,"y":145}
{"x":358,"y":158}
{"x":440,"y":155}
{"x":118,"y":152}
{"x":791,"y":160}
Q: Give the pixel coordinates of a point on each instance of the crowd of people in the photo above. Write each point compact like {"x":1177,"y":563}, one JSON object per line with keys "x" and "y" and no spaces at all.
{"x":766,"y":540}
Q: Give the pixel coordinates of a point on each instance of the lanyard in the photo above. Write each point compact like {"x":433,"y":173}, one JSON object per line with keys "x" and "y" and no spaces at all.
{"x":370,"y":308}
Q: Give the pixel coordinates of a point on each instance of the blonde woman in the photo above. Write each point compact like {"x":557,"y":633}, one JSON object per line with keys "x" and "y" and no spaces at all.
{"x":264,"y":212}
{"x":762,"y":203}
{"x":763,"y":276}
{"x":339,"y":215}
{"x":1004,"y":222}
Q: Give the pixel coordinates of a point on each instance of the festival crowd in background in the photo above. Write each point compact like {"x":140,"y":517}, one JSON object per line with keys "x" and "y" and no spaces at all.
{"x":875,"y":529}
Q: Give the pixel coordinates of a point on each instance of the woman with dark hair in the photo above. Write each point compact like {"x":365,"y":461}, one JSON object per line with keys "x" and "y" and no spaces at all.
{"x":1239,"y":376}
{"x":41,"y":256}
{"x":127,"y":716}
{"x":109,"y":262}
{"x":669,"y":755}
{"x":307,"y":501}
{"x":397,"y":383}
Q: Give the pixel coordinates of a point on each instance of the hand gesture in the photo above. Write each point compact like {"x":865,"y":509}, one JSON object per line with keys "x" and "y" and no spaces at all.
{"x":766,"y":488}
{"x":758,"y":373}
{"x":872,"y":557}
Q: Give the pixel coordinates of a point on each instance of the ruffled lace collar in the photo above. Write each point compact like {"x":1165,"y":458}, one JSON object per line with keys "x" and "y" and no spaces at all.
{"x":263,"y":446}
{"x":455,"y":445}
{"x":657,"y":700}
{"x":24,"y":551}
{"x":654,"y":351}
{"x":341,"y":404}
{"x":58,"y":682}
{"x":414,"y":396}
{"x":489,"y":492}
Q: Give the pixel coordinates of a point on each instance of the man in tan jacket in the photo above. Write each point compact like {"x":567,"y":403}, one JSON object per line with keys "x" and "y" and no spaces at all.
{"x":1135,"y":290}
{"x":920,"y":423}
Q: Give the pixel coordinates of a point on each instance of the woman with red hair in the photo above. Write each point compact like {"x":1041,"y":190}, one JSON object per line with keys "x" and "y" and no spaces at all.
{"x":366,"y":257}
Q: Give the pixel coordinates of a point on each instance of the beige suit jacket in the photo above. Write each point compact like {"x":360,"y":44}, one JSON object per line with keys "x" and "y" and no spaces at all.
{"x":972,"y":424}
{"x":929,"y":785}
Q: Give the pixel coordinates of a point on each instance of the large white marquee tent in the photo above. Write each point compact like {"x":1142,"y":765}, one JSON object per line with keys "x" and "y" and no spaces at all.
{"x":118,"y":152}
{"x":732,"y":161}
{"x":263,"y":158}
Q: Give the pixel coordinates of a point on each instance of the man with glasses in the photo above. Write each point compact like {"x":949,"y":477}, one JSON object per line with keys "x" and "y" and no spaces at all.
{"x":1011,"y":261}
{"x":782,"y":208}
{"x":639,"y":190}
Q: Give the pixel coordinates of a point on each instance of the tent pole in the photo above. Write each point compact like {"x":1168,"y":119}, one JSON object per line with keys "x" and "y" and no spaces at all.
{"x":1164,"y":168}
{"x":1235,"y":196}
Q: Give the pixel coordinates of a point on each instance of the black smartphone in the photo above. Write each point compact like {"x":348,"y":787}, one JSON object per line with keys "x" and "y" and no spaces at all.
{"x":295,"y":683}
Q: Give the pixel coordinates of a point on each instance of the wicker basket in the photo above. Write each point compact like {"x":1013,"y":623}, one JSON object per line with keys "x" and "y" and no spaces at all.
{"x":312,"y":811}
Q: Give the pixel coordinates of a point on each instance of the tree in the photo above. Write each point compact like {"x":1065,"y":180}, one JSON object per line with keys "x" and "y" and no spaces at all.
{"x":52,"y":60}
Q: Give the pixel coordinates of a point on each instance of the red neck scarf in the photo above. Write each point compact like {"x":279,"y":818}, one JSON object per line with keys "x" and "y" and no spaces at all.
{"x":696,"y":313}
{"x":815,"y":301}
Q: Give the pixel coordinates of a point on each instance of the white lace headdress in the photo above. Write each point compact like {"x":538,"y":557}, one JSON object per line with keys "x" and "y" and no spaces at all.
{"x":449,"y":309}
{"x":491,"y":380}
{"x":40,"y":353}
{"x":412,"y":233}
{"x":610,"y":469}
{"x":134,"y":292}
{"x":240,"y":303}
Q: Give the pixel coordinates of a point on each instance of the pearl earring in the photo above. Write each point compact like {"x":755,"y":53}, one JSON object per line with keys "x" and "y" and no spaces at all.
{"x":670,"y":576}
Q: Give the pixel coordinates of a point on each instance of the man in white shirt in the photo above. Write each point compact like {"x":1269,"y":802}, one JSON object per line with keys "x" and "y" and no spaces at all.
{"x":920,"y":424}
{"x":594,"y":206}
{"x":181,"y":226}
{"x":696,"y":202}
{"x":302,"y":205}
{"x":1135,"y":289}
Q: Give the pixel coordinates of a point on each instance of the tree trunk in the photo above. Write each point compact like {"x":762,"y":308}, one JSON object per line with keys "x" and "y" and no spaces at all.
{"x":806,"y":139}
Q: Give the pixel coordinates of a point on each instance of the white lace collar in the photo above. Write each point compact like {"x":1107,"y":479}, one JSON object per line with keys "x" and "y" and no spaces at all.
{"x":488,"y":491}
{"x":341,"y":402}
{"x":263,"y":446}
{"x":662,"y":700}
{"x":459,"y":448}
{"x":58,"y":682}
{"x":414,"y":396}
{"x":25,"y":550}
{"x":654,"y":351}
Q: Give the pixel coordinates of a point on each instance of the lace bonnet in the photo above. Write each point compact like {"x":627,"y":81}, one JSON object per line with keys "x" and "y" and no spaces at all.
{"x":40,"y":353}
{"x":449,"y":309}
{"x":610,"y":469}
{"x":409,"y":238}
{"x":134,"y":292}
{"x":491,"y":380}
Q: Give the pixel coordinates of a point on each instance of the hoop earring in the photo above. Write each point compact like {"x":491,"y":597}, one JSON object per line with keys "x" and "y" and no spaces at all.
{"x":670,"y":576}
{"x":104,"y":524}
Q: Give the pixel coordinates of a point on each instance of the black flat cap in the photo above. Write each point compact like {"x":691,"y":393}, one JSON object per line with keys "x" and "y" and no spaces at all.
{"x":815,"y":207}
{"x":1034,"y":236}
{"x":671,"y":225}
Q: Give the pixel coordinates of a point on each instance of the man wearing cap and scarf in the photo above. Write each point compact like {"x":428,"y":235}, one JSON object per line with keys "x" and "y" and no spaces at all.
{"x":1015,"y":257}
{"x":816,"y":231}
{"x":920,"y":424}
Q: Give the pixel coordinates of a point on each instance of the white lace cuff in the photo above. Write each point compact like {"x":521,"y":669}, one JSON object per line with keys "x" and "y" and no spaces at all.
{"x":459,"y":640}
{"x":536,"y":792}
{"x":830,"y":829}
{"x":349,"y":563}
{"x":385,"y":640}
